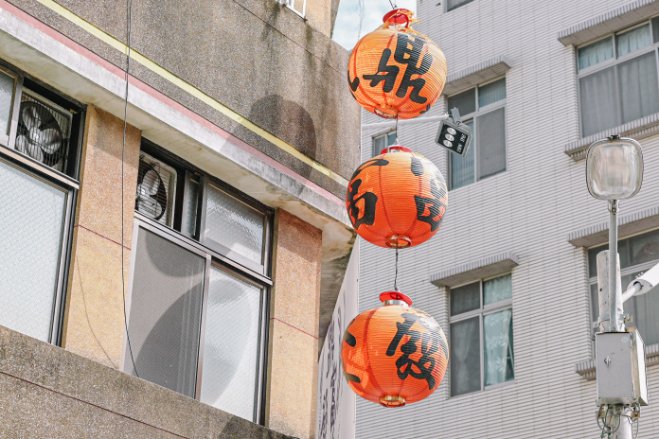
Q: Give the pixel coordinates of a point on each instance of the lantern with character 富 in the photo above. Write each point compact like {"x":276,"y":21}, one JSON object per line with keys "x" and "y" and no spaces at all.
{"x":394,"y":355}
{"x":396,"y":72}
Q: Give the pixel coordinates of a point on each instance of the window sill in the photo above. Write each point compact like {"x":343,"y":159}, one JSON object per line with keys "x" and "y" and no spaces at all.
{"x":490,"y":388}
{"x":640,"y":128}
{"x":474,"y":75}
{"x":586,"y":368}
{"x":488,"y":267}
{"x":630,"y":224}
{"x":609,"y":22}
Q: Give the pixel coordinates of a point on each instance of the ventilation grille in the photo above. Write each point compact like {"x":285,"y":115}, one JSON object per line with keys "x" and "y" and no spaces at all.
{"x":44,"y":131}
{"x":156,"y":190}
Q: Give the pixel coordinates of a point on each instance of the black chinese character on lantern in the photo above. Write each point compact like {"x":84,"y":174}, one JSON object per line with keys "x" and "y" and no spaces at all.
{"x":408,"y":51}
{"x":434,"y":206}
{"x":365,"y":215}
{"x":424,"y":366}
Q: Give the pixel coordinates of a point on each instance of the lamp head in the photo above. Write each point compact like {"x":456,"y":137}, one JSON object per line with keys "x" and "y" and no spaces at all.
{"x":614,"y":168}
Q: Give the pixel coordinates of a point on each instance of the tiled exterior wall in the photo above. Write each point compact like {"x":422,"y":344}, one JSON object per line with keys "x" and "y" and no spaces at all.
{"x":528,"y":210}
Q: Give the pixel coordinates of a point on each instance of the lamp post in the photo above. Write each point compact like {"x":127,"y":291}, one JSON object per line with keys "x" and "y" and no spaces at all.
{"x":614,"y":171}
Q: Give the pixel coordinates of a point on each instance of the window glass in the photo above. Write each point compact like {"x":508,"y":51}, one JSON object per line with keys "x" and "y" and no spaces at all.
{"x":465,"y":356}
{"x":595,"y":53}
{"x":633,"y":40}
{"x":491,"y":143}
{"x":498,"y":347}
{"x":645,"y":248}
{"x":598,"y":101}
{"x":491,"y":93}
{"x":452,"y":4}
{"x":234,"y":226}
{"x":655,"y":29}
{"x":639,"y":91}
{"x":231,"y":344}
{"x":465,"y":102}
{"x":6,"y":99}
{"x":465,"y":298}
{"x":381,"y":141}
{"x":165,"y":313}
{"x":462,"y":170}
{"x":391,"y":138}
{"x":496,"y":290}
{"x":32,"y":216}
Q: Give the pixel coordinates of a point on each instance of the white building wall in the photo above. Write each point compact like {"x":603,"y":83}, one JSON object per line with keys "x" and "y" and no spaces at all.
{"x":528,"y":210}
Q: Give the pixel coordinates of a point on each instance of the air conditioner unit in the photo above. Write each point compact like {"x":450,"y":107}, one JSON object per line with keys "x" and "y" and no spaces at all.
{"x":44,"y":131}
{"x":156,"y":190}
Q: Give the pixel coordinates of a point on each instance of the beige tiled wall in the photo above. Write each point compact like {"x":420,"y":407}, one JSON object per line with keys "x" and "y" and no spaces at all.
{"x":94,"y":314}
{"x":293,"y":353}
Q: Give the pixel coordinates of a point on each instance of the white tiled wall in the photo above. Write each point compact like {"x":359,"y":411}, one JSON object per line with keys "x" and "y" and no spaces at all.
{"x":529,"y":210}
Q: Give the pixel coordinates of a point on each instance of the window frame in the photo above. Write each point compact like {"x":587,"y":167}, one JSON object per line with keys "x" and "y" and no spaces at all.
{"x":385,"y":136}
{"x":480,"y":312}
{"x":68,"y":183}
{"x":219,"y":258}
{"x":614,"y":62}
{"x":637,"y":269}
{"x":449,"y":9}
{"x":471,"y":117}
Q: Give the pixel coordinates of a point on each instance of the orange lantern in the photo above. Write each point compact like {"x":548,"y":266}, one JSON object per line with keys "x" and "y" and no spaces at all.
{"x":394,"y":71}
{"x":396,"y":199}
{"x":394,"y":355}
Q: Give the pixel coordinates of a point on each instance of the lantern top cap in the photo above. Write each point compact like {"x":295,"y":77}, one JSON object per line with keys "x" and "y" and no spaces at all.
{"x":395,"y":295}
{"x":398,"y":16}
{"x":396,"y":148}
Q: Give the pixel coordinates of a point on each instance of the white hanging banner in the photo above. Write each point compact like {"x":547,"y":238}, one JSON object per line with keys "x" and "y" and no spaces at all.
{"x":336,"y":402}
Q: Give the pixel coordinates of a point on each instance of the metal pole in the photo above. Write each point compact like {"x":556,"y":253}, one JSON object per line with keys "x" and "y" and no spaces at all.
{"x":615,"y":293}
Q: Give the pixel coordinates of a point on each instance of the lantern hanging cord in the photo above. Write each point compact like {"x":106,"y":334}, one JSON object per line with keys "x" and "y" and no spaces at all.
{"x":396,"y":272}
{"x":393,"y":5}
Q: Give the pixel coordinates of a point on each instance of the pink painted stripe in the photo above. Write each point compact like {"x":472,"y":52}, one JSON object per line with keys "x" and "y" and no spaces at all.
{"x":294,"y":327}
{"x":83,"y":51}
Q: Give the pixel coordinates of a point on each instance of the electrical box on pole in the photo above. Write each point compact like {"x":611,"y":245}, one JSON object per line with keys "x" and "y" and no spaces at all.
{"x":620,"y":368}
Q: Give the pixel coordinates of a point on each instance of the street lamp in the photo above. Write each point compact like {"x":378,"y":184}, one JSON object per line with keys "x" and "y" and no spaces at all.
{"x":614,"y":171}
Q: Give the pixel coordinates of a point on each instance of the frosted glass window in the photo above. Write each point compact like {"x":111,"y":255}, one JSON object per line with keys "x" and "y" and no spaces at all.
{"x":165,"y":313}
{"x":32,"y":216}
{"x":496,"y":290}
{"x":465,"y":102}
{"x":6,"y":99}
{"x":481,"y":326}
{"x":598,"y":101}
{"x":233,"y":225}
{"x":633,"y":40}
{"x":382,"y":141}
{"x":231,"y":348}
{"x":462,"y":169}
{"x":465,"y":357}
{"x":637,"y":255}
{"x":491,"y":144}
{"x":595,"y":53}
{"x":498,"y":347}
{"x":639,"y":88}
{"x":491,"y":93}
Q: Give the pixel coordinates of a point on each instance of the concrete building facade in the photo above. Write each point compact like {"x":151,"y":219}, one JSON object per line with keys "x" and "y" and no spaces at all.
{"x":511,"y":276}
{"x":172,"y":182}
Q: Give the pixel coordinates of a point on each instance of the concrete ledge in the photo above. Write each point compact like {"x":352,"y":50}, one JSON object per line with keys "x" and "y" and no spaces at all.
{"x":492,"y":266}
{"x":46,"y":391}
{"x":638,"y":129}
{"x":612,"y":21}
{"x":631,"y":224}
{"x":477,"y":74}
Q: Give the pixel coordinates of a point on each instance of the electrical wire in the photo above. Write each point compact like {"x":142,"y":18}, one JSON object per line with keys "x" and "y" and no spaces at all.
{"x":129,"y":8}
{"x":393,"y":4}
{"x":396,"y":272}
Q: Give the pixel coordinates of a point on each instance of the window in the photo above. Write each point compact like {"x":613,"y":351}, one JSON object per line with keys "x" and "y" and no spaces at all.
{"x":452,"y":4}
{"x":481,"y":332}
{"x":198,"y":307}
{"x":637,"y":254}
{"x":381,"y":141}
{"x":297,"y":6}
{"x":39,"y":146}
{"x":618,"y":78}
{"x":482,"y":108}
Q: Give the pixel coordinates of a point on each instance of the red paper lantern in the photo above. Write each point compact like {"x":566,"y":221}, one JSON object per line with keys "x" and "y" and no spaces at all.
{"x":396,"y":72}
{"x":394,"y":355}
{"x":397,"y":199}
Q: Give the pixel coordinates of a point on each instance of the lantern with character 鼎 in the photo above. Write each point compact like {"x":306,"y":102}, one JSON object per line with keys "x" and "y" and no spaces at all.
{"x":396,"y":72}
{"x":394,"y":355}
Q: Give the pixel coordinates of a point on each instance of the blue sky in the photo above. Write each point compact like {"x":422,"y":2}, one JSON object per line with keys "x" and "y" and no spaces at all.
{"x":365,"y":13}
